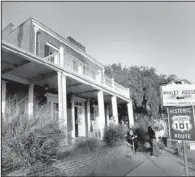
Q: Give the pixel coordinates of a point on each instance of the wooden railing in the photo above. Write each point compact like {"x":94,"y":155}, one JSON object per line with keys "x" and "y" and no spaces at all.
{"x":75,"y":66}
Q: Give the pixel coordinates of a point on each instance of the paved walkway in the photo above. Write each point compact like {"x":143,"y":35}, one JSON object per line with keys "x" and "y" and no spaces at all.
{"x":143,"y":165}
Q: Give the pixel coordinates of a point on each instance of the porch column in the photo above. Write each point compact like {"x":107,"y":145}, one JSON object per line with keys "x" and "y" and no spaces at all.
{"x":62,"y":104}
{"x":60,"y":109}
{"x":130,"y":114}
{"x":101,"y":112}
{"x":30,"y":99}
{"x":3,"y":93}
{"x":115,"y":108}
{"x":73,"y":116}
{"x":64,"y":108}
{"x":64,"y":99}
{"x":62,"y":62}
{"x":107,"y":115}
{"x":99,"y":77}
{"x":88,"y":118}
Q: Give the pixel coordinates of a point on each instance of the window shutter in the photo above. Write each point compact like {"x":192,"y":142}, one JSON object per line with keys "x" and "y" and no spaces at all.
{"x":46,"y":50}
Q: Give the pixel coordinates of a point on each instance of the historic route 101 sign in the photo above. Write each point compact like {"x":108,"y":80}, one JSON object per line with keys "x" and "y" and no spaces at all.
{"x":181,"y":121}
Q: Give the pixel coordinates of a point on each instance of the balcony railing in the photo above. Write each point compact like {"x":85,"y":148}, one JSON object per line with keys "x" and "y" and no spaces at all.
{"x":75,"y":66}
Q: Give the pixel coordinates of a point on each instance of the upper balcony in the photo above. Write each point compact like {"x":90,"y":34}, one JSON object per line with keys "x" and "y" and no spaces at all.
{"x":74,"y":66}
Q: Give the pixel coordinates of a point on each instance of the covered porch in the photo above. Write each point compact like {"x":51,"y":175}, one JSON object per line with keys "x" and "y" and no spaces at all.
{"x":79,"y":106}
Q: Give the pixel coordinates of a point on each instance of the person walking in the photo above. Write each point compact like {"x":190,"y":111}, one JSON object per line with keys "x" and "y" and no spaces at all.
{"x":154,"y":151}
{"x":131,"y":139}
{"x":164,"y":140}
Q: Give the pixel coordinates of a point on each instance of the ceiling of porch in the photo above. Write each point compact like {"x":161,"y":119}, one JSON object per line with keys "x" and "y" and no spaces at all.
{"x":31,"y":72}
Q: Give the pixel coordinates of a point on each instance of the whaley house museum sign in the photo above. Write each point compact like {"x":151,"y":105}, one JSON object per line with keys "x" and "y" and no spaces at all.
{"x":179,"y":98}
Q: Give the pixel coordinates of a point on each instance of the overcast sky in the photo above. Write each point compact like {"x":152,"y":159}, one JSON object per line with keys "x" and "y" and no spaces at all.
{"x":157,"y":34}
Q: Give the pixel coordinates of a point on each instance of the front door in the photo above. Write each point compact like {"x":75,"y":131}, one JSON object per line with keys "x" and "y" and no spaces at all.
{"x":80,"y":127}
{"x":76,"y":121}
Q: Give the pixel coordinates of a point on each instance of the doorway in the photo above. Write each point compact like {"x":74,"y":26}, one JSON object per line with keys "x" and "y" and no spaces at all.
{"x":79,"y":116}
{"x":76,"y":121}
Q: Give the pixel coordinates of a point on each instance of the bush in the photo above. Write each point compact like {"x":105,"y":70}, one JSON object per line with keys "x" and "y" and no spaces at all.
{"x":114,"y":135}
{"x":27,"y":141}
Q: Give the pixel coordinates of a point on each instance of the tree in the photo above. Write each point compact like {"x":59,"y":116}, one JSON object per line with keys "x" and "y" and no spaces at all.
{"x":144,"y":86}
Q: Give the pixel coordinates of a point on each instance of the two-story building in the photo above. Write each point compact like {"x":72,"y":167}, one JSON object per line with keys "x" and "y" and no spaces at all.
{"x":39,"y":64}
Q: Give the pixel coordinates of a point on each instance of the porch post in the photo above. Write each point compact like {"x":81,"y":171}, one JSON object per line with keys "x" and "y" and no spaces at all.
{"x":30,"y":99}
{"x":115,"y":108}
{"x":64,"y":100}
{"x":62,"y":104}
{"x":64,"y":108}
{"x":60,"y":111}
{"x":130,"y":114}
{"x":88,"y":117}
{"x":3,"y":93}
{"x":101,"y":121}
{"x":73,"y":117}
{"x":107,"y":115}
{"x":61,"y":62}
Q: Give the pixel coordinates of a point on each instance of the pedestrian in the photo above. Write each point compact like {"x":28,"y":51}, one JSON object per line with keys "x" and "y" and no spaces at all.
{"x":164,"y":140}
{"x":154,"y":150}
{"x":132,"y":140}
{"x":179,"y":147}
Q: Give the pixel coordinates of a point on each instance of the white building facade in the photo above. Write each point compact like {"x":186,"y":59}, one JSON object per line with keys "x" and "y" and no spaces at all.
{"x":40,"y":64}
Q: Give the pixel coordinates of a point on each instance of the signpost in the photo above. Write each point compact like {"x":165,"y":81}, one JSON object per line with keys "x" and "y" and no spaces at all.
{"x":181,"y":121}
{"x":179,"y":100}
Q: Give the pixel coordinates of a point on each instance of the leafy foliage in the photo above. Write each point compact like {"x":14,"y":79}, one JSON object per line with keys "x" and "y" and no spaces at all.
{"x":115,"y":134}
{"x":144,"y":85}
{"x":28,"y":142}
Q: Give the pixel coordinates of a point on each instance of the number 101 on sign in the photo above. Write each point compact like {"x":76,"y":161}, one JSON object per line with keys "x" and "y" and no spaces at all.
{"x":181,"y":123}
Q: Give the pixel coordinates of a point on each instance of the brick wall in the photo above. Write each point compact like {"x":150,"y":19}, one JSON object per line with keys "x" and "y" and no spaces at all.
{"x":85,"y":164}
{"x":44,"y":37}
{"x":22,"y":36}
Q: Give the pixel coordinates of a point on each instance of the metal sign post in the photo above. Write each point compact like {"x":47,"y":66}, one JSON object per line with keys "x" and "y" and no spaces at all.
{"x":179,"y":98}
{"x":185,"y":158}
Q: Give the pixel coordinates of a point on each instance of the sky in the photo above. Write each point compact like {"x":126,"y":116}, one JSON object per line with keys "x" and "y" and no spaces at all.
{"x":154,"y":34}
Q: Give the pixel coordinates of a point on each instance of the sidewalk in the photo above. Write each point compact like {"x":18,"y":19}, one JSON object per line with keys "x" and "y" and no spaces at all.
{"x":190,"y":156}
{"x":122,"y":167}
{"x":143,"y":165}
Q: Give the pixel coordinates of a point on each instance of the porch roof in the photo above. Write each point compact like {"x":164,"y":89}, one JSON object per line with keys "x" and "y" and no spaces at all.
{"x":41,"y":72}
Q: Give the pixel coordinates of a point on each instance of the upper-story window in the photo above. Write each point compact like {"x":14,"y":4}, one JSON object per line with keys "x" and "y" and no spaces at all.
{"x":49,"y":50}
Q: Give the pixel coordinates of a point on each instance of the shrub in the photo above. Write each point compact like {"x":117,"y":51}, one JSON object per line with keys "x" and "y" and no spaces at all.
{"x":27,"y":141}
{"x":114,"y":135}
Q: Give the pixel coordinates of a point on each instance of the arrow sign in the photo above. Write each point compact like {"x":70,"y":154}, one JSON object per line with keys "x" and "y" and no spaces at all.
{"x":179,"y":98}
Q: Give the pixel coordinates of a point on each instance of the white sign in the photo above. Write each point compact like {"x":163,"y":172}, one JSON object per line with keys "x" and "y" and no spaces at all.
{"x":180,"y":95}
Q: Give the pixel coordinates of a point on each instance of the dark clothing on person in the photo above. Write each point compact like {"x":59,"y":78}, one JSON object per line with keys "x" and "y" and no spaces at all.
{"x":132,"y":140}
{"x":151,"y":135}
{"x":164,"y":140}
